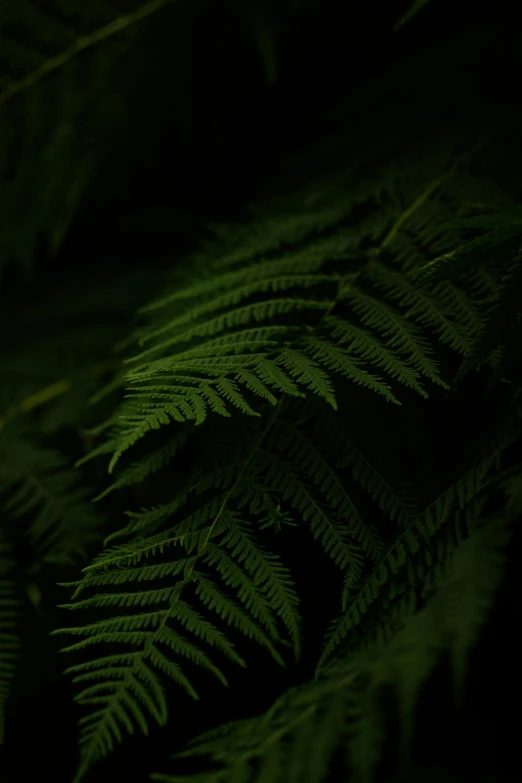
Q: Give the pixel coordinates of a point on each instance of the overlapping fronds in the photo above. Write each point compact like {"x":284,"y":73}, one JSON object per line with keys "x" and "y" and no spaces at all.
{"x":254,"y":359}
{"x":281,"y":389}
{"x":297,"y":738}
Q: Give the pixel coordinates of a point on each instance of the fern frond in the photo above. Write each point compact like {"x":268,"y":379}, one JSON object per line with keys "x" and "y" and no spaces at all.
{"x":401,"y":334}
{"x":268,"y":277}
{"x":405,"y":564}
{"x":38,"y":481}
{"x":338,"y":360}
{"x":503,"y":230}
{"x":272,"y":230}
{"x":263,"y":588}
{"x":265,"y":570}
{"x":297,"y":738}
{"x":201,"y":342}
{"x":44,"y":96}
{"x":423,"y":307}
{"x":372,"y":350}
{"x":503,"y":315}
{"x":234,"y":317}
{"x":307,"y":373}
{"x":334,"y":436}
{"x":186,"y":397}
{"x":10,"y":604}
{"x":256,"y":324}
{"x":150,"y":464}
{"x":151,"y":631}
{"x":298,"y":468}
{"x":467,"y":590}
{"x":9,"y":642}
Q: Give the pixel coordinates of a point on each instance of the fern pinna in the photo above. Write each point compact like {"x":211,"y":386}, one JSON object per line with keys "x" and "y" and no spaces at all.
{"x":264,"y":357}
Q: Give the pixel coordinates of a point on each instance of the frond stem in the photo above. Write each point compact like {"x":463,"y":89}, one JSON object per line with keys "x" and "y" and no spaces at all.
{"x":80,"y":45}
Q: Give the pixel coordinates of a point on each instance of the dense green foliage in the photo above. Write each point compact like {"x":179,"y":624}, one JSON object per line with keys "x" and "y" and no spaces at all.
{"x":341,"y":359}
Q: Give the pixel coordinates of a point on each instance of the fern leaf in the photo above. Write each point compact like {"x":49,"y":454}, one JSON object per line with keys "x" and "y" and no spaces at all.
{"x":468,"y":589}
{"x":239,"y":316}
{"x":261,"y":279}
{"x":187,"y":396}
{"x":423,"y":307}
{"x":338,"y":360}
{"x":372,"y":350}
{"x":150,"y":464}
{"x":401,"y":334}
{"x":266,"y":572}
{"x":38,"y":481}
{"x":342,"y":708}
{"x":303,"y":451}
{"x":505,"y":229}
{"x":308,"y":373}
{"x":502,"y":316}
{"x":300,"y":493}
{"x":406,"y":563}
{"x":263,"y":588}
{"x":49,"y":105}
{"x":9,"y":638}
